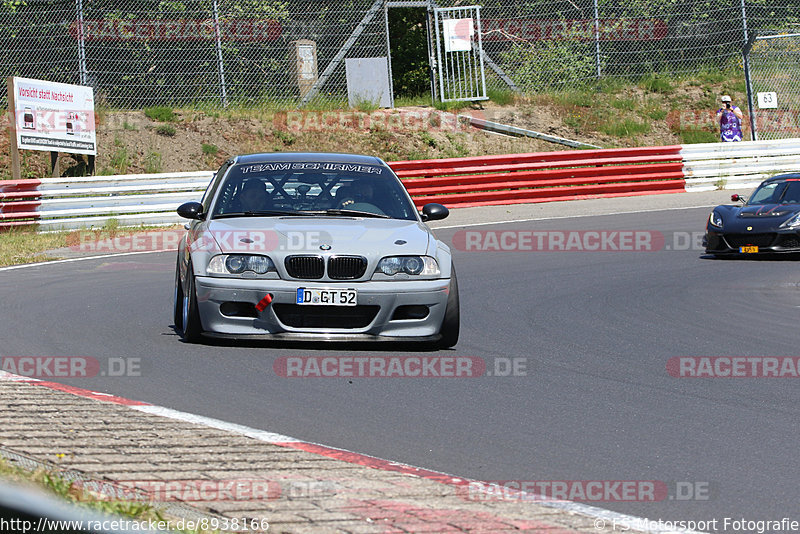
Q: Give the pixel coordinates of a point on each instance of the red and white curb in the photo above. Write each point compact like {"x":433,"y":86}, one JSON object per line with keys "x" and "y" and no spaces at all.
{"x":600,"y":515}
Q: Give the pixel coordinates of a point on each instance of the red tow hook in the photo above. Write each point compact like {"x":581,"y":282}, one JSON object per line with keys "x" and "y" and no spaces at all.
{"x":263,"y":303}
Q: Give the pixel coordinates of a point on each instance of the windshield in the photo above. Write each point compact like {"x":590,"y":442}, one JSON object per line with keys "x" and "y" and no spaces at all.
{"x":787,"y":192}
{"x":314,"y":188}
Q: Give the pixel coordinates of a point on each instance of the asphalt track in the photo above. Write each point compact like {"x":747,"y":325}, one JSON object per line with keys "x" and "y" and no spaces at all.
{"x":596,"y":330}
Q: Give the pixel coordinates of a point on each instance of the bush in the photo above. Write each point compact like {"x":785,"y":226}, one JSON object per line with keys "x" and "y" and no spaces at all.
{"x":160,"y":114}
{"x":554,"y":63}
{"x":166,"y":129}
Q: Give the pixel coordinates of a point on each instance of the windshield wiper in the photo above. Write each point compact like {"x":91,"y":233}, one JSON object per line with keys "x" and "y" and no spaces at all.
{"x":265,"y":213}
{"x":356,"y":213}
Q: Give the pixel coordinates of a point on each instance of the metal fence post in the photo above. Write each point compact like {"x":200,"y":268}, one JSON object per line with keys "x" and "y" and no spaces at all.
{"x":220,"y":64}
{"x":748,"y":44}
{"x":81,"y":45}
{"x":597,"y":37}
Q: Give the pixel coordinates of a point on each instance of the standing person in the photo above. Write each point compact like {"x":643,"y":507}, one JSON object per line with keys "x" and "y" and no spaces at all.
{"x":729,"y":118}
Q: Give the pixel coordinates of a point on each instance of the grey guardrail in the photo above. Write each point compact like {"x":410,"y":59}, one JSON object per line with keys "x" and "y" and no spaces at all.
{"x":513,"y":131}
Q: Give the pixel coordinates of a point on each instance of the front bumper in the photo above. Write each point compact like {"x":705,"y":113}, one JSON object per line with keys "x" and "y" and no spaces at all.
{"x":374,"y":318}
{"x":786,"y":241}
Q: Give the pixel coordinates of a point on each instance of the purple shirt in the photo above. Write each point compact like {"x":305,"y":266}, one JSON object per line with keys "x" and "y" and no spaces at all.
{"x":730,"y":126}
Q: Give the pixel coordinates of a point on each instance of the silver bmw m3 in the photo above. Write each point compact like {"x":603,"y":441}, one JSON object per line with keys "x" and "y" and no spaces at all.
{"x":310,"y":246}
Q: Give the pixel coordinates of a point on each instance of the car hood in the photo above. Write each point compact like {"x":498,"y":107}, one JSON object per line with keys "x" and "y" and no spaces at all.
{"x":760,"y":218}
{"x":768,"y":210}
{"x":334,"y":235}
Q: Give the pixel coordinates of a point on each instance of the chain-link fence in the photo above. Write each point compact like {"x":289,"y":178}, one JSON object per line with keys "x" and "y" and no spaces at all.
{"x":138,"y":53}
{"x":775,"y":81}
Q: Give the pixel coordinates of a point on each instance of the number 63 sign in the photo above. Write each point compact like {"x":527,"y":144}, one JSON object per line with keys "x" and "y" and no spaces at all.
{"x":768,"y":100}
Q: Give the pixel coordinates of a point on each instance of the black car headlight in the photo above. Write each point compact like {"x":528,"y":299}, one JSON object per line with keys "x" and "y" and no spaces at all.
{"x":791,"y":222}
{"x":240,"y":263}
{"x":715,"y":219}
{"x":409,"y":265}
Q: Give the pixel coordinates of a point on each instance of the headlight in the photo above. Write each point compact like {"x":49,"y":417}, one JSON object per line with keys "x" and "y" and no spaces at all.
{"x":239,"y":263}
{"x":792,"y":222}
{"x":412,"y":265}
{"x":715,"y":219}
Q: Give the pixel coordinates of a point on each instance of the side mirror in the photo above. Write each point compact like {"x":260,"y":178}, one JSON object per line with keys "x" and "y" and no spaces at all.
{"x":737,"y":198}
{"x":191,"y":210}
{"x":434,"y":212}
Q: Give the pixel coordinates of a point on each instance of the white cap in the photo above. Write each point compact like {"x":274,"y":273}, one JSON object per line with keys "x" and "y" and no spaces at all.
{"x":726,"y":98}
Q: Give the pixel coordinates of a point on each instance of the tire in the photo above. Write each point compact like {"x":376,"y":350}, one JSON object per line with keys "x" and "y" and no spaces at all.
{"x":177,"y":299}
{"x":191,"y":327}
{"x":451,"y":324}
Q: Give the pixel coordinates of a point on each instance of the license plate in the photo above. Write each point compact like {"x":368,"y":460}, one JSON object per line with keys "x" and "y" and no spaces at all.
{"x":327,"y":297}
{"x":749,"y":249}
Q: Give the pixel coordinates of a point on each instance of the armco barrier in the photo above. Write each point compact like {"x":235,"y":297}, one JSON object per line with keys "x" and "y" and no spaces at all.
{"x":543,"y":176}
{"x":134,"y":199}
{"x":711,"y":166}
{"x":53,"y":203}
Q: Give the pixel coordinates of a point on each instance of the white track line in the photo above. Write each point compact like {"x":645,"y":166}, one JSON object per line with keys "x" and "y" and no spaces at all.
{"x":571,"y":217}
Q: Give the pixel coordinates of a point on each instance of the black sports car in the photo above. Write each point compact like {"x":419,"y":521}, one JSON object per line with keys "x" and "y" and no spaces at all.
{"x":766,"y":223}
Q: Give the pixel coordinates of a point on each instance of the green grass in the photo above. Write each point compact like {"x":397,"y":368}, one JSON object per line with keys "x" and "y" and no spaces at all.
{"x":656,"y":84}
{"x":166,"y":130}
{"x":698,"y":136}
{"x":286,"y":138}
{"x":120,"y":161}
{"x":152,"y":163}
{"x":24,"y":245}
{"x":610,"y":86}
{"x":456,"y":149}
{"x":627,"y":104}
{"x":53,"y":483}
{"x":428,"y":139}
{"x":502,"y":97}
{"x":211,"y":150}
{"x":452,"y":106}
{"x":128,"y":126}
{"x":20,"y":245}
{"x":624,"y":127}
{"x":160,"y":114}
{"x":320,"y":104}
{"x":366,"y":105}
{"x":575,"y":98}
{"x":657,"y":114}
{"x":412,"y":101}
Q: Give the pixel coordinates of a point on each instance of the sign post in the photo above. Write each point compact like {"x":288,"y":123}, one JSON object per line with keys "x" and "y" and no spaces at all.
{"x":16,"y":173}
